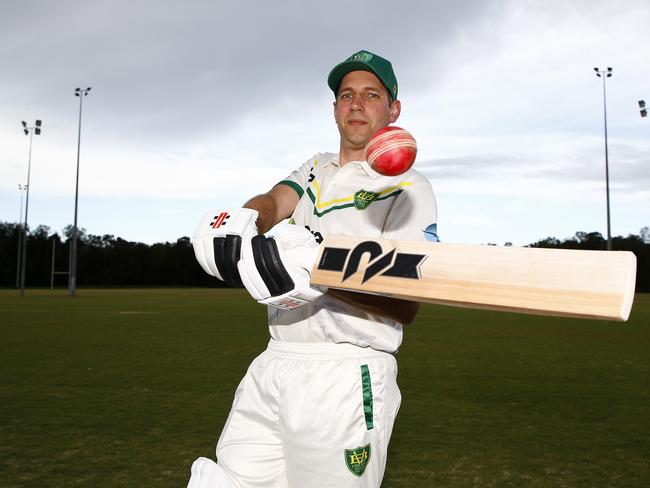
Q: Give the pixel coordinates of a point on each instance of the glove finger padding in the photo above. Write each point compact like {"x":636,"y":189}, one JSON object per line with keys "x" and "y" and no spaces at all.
{"x":249,"y":274}
{"x":217,"y":242}
{"x":227,"y":252}
{"x":270,"y":265}
{"x":276,"y":270}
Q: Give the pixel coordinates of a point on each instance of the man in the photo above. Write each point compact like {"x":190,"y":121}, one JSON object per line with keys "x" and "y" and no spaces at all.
{"x":316,"y":409}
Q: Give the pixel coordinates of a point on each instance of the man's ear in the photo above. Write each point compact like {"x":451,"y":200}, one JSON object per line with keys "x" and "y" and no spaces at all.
{"x":334,"y":112}
{"x":395,"y":110}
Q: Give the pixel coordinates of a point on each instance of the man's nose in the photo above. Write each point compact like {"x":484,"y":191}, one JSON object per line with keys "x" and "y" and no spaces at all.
{"x":357,"y":102}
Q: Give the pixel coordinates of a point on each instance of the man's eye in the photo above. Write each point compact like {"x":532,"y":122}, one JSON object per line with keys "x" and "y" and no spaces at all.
{"x":345,"y":96}
{"x":372,"y":95}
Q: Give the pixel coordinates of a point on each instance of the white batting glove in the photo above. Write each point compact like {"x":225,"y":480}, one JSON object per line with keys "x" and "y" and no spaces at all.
{"x":276,"y":270}
{"x":217,"y":242}
{"x":207,"y":474}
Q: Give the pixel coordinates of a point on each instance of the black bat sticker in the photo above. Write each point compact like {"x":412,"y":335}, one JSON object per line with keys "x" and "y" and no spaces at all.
{"x":392,"y":263}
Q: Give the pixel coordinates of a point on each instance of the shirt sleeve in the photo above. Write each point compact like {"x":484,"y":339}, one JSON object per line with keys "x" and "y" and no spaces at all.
{"x":413,"y":216}
{"x":299,"y":179}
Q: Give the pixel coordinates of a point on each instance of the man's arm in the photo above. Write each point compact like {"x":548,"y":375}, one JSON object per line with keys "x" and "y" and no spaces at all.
{"x":273,"y":207}
{"x":277,"y":205}
{"x":402,"y":311}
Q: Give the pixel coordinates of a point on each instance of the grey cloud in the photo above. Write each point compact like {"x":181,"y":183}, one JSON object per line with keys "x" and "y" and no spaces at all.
{"x":476,"y":166}
{"x":170,"y":68}
{"x":629,"y":167}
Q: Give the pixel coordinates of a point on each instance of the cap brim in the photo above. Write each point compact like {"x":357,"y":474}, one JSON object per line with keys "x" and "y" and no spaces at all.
{"x":342,"y":69}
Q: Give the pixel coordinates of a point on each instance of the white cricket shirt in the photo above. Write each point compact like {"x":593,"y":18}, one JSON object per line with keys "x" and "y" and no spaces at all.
{"x":353,"y":200}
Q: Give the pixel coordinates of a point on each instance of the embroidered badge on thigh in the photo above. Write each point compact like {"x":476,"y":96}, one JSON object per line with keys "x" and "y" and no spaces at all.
{"x":357,"y":459}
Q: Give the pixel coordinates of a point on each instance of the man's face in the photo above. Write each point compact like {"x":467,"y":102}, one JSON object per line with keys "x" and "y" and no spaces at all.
{"x":362,"y":107}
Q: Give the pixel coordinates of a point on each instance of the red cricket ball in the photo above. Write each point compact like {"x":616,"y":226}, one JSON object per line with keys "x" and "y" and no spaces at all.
{"x":391,"y":151}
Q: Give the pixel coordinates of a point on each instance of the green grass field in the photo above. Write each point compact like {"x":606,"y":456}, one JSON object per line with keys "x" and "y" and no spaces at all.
{"x":125,"y":388}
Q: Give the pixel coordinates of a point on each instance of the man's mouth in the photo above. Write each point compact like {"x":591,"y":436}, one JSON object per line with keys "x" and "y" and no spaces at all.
{"x":356,"y":122}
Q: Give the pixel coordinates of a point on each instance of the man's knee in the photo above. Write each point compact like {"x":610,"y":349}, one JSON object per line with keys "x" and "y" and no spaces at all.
{"x":208,"y":474}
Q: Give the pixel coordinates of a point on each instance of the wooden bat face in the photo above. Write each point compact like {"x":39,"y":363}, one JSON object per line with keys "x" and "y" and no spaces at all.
{"x":587,"y":284}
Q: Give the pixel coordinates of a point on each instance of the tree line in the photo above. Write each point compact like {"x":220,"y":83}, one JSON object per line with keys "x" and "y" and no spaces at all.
{"x":112,"y":261}
{"x":101,"y":260}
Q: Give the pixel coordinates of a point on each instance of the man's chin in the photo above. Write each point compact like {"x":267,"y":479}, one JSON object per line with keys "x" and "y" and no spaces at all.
{"x":359,"y":140}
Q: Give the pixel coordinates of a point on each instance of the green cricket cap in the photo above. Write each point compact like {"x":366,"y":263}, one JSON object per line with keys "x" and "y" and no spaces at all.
{"x":365,"y":61}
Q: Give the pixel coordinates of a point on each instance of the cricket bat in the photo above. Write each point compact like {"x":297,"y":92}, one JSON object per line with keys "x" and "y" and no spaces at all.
{"x":569,"y":283}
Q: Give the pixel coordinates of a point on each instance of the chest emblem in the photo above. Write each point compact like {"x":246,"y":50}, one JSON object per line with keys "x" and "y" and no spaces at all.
{"x":363,"y":198}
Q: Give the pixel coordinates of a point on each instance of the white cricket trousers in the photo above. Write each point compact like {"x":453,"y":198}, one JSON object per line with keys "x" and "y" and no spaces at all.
{"x":311,"y":416}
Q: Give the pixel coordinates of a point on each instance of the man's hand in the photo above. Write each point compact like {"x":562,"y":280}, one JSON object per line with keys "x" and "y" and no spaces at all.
{"x":218,"y":239}
{"x":276,"y":270}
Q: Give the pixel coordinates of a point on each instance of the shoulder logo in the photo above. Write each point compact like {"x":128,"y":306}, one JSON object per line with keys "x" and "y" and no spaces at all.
{"x":431,"y":233}
{"x":363,"y":198}
{"x":357,"y":459}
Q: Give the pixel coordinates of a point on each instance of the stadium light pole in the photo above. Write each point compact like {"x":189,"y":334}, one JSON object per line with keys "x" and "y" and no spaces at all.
{"x":22,"y":189}
{"x":644,"y":112}
{"x":605,"y":73}
{"x":72,"y":281}
{"x":29,"y":131}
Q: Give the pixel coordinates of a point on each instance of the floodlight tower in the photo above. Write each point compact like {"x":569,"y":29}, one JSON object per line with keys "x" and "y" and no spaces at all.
{"x":72,"y":282}
{"x":605,"y":73}
{"x":21,"y":189}
{"x":644,"y":112}
{"x":29,"y":131}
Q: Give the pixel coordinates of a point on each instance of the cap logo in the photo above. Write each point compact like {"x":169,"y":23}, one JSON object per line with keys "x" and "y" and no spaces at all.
{"x":361,"y":56}
{"x":364,"y":60}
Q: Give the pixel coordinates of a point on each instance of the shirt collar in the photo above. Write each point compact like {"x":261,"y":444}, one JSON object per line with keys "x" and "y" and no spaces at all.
{"x":332,"y":161}
{"x":362,"y":164}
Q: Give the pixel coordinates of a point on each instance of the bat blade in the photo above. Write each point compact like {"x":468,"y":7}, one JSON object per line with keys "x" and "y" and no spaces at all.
{"x":571,"y":283}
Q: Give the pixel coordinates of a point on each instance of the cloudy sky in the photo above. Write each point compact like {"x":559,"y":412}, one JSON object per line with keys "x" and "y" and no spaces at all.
{"x":203,"y":104}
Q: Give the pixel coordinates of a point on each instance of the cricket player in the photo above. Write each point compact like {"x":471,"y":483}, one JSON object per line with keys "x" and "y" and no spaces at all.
{"x":316,"y":408}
